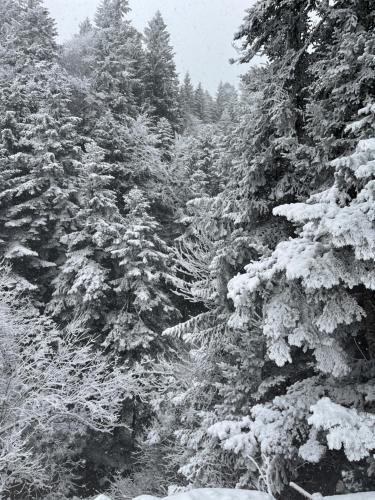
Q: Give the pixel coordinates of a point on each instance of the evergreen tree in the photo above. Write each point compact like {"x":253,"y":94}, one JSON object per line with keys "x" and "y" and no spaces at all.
{"x":287,"y":308}
{"x":186,"y":101}
{"x":161,"y":84}
{"x":144,"y":306}
{"x":115,"y":68}
{"x":269,"y":156}
{"x":319,"y":296}
{"x":343,"y":76}
{"x":165,"y":139}
{"x":187,"y":94}
{"x":40,"y":148}
{"x":110,"y":13}
{"x":210,"y":107}
{"x":200,"y":103}
{"x":82,"y":286}
{"x":226,"y":97}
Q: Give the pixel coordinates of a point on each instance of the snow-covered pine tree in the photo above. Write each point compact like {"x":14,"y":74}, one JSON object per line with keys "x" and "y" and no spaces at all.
{"x":116,"y":68}
{"x":331,"y":32}
{"x":332,"y":132}
{"x":210,"y":107}
{"x":200,"y":103}
{"x":40,"y":146}
{"x":186,"y":101}
{"x":343,"y":75}
{"x":141,"y":307}
{"x":226,"y":97}
{"x":165,"y":139}
{"x":269,"y":164}
{"x":82,"y":289}
{"x":161,"y":83}
{"x":318,"y":294}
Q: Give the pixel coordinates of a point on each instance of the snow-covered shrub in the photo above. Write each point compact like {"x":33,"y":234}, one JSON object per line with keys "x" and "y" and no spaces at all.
{"x":55,"y":391}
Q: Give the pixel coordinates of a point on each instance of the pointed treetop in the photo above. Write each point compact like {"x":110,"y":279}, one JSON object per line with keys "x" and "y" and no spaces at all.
{"x":85,"y":27}
{"x":156,"y":27}
{"x":111,"y":13}
{"x":158,"y":18}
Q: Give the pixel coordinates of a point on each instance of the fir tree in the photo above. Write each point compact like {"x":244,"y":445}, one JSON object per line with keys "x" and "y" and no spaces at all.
{"x":226,"y":97}
{"x":320,"y":291}
{"x":83,"y":283}
{"x":269,"y":159}
{"x":200,"y":103}
{"x":114,"y":72}
{"x":40,"y":148}
{"x":161,"y":84}
{"x":186,"y":101}
{"x":210,"y":107}
{"x":165,"y":139}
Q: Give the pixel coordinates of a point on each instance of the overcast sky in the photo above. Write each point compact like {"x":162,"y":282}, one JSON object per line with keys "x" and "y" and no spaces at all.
{"x":201,"y":31}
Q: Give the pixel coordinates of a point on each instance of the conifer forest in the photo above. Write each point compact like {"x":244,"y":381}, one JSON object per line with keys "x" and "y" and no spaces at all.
{"x":187,"y":279}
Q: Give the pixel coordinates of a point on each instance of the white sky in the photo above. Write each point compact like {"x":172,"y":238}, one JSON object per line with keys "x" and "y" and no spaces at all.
{"x":201,"y":31}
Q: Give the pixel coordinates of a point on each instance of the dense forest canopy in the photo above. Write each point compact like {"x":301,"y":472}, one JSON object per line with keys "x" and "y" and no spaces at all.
{"x":187,"y":281}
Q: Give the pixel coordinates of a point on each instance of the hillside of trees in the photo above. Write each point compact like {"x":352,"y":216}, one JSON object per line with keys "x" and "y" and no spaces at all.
{"x":187,"y":281}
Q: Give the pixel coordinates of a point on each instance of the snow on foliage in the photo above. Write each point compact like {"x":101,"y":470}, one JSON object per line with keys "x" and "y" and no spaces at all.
{"x":116,"y":227}
{"x":329,"y":258}
{"x":54,"y":390}
{"x":347,"y":428}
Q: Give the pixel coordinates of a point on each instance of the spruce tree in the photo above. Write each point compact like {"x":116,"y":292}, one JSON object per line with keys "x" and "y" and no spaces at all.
{"x":114,"y":72}
{"x":82,"y":286}
{"x":319,"y":301}
{"x":226,"y":97}
{"x":210,"y":107}
{"x":269,"y":161}
{"x":40,"y":147}
{"x":186,"y":101}
{"x":200,"y":103}
{"x":320,"y":306}
{"x":161,"y":84}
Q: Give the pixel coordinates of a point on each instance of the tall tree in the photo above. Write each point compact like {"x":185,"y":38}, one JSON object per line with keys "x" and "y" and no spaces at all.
{"x":115,"y":68}
{"x":40,"y":147}
{"x":161,"y":84}
{"x":186,"y":101}
{"x":272,"y":161}
{"x":200,"y":103}
{"x":226,"y":97}
{"x":319,"y":297}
